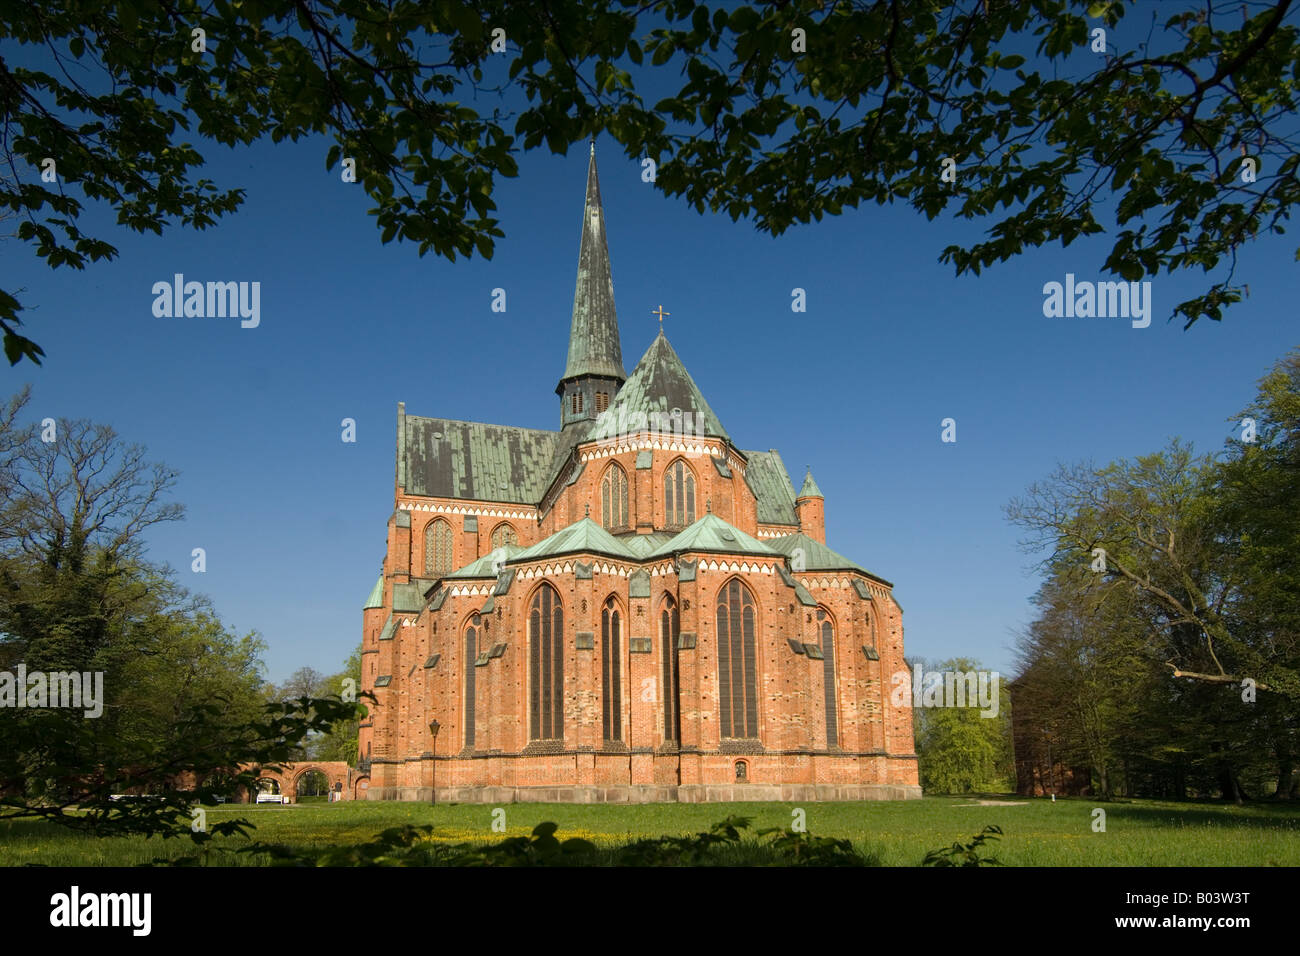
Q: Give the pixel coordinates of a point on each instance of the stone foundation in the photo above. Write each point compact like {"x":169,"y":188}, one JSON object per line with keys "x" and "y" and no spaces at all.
{"x":710,"y":793}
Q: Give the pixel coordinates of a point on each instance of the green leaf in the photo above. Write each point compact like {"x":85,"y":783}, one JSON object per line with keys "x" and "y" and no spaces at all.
{"x":13,"y":347}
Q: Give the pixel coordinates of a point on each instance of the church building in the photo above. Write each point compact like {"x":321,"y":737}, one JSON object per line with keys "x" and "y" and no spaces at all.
{"x":628,"y":608}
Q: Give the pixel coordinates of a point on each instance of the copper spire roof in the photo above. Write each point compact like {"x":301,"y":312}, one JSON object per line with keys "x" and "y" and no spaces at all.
{"x":593,"y":334}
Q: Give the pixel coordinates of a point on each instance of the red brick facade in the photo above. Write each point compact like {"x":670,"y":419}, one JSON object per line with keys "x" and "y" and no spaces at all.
{"x":607,"y":698}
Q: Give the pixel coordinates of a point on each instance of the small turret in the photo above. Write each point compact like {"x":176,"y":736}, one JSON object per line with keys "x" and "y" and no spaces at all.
{"x":811,"y":508}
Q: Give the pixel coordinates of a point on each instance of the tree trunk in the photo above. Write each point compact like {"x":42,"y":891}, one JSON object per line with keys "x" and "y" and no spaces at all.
{"x":1286,"y":777}
{"x":1230,"y":786}
{"x":1287,"y":783}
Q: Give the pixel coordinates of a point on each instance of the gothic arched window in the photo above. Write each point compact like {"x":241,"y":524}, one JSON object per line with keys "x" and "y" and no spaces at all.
{"x":613,"y":498}
{"x":679,"y":495}
{"x":737,"y":661}
{"x":437,"y":548}
{"x":611,"y":666}
{"x":827,"y":633}
{"x":670,"y":628}
{"x":502,"y":535}
{"x":471,"y":654}
{"x":546,"y":665}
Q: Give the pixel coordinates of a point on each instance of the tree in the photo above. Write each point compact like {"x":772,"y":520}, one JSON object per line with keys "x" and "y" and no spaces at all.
{"x":304,"y":682}
{"x":1256,"y":507}
{"x":1091,"y":683}
{"x":77,"y":501}
{"x":790,"y":111}
{"x":340,"y":743}
{"x":1146,"y":523}
{"x":959,"y":749}
{"x":1080,"y":664}
{"x":177,"y":711}
{"x":1186,"y":562}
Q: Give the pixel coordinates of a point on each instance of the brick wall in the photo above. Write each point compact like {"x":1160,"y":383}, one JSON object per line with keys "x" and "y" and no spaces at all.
{"x":874,"y":752}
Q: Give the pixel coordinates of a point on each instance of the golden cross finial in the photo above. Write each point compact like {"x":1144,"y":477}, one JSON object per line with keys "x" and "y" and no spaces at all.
{"x":661,"y":313}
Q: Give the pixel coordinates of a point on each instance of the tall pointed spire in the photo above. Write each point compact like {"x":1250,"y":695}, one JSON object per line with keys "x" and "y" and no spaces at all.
{"x":594,"y":348}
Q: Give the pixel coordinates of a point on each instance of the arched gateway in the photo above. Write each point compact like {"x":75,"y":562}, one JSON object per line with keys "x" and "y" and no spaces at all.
{"x":340,"y":780}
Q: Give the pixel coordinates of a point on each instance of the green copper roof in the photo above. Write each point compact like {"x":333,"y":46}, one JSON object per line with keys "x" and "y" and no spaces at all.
{"x":451,"y":459}
{"x":376,"y":598}
{"x":810,"y":489}
{"x":817,"y":557}
{"x":711,"y":533}
{"x":410,"y":597}
{"x":581,"y":537}
{"x":658,"y":385}
{"x":593,"y":334}
{"x":643,"y":544}
{"x":767,"y":478}
{"x":488,"y":565}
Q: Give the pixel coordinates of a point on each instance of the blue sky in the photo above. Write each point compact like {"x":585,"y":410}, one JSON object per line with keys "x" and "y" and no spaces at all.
{"x":293,"y":519}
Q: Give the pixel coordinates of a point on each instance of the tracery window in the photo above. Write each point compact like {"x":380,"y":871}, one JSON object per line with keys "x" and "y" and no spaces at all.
{"x":737,"y":661}
{"x":828,"y":670}
{"x":670,"y":628}
{"x":679,"y":494}
{"x":437,"y":548}
{"x":471,"y":654}
{"x":546,"y":665}
{"x":613,"y":498}
{"x":611,"y":665}
{"x":502,"y":535}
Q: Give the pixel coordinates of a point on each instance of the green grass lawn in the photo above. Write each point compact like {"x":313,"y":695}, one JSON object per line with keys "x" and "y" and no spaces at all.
{"x":1037,"y":832}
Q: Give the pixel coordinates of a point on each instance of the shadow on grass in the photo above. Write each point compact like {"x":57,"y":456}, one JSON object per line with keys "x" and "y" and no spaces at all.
{"x":726,"y":843}
{"x":1255,"y":814}
{"x":1251,"y":816}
